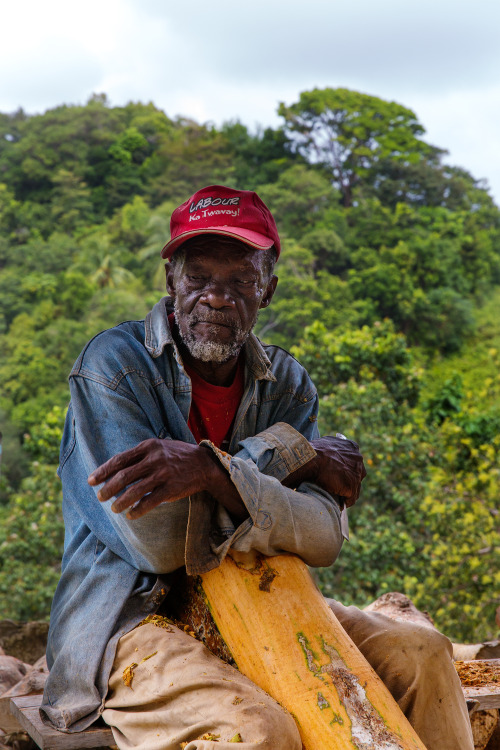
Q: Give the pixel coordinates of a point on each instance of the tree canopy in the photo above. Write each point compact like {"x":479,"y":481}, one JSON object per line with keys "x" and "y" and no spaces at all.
{"x":355,"y":136}
{"x":390,"y":272}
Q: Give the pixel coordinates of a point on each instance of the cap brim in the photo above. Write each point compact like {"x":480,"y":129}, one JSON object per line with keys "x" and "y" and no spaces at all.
{"x":254,"y":239}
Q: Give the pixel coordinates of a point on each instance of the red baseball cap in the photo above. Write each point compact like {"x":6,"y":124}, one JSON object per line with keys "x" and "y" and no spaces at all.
{"x":221,"y":210}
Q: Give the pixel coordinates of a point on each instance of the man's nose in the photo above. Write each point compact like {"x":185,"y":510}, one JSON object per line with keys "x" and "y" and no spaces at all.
{"x":217,"y":295}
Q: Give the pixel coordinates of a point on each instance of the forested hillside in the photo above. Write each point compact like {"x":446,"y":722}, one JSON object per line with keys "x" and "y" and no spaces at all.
{"x":388,"y":293}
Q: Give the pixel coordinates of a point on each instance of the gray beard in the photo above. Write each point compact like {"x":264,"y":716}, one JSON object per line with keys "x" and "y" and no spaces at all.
{"x":211,"y":351}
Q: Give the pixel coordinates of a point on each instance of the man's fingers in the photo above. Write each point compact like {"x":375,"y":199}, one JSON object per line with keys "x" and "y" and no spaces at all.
{"x":155,"y":471}
{"x":120,"y":481}
{"x":149,"y":502}
{"x":133,"y":494}
{"x":115,"y":464}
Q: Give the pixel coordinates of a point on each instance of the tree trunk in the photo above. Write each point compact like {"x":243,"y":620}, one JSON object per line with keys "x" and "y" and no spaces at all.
{"x":399,"y":607}
{"x":483,"y":725}
{"x":468,"y":651}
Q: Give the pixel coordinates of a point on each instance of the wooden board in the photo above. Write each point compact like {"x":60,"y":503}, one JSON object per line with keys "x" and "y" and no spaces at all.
{"x":484,"y":696}
{"x":25,"y":710}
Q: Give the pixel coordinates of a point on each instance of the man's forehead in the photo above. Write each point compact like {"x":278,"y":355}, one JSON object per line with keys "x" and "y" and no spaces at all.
{"x":216,"y":249}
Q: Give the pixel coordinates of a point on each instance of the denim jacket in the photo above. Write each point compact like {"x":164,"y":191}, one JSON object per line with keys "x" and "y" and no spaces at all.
{"x":128,"y":385}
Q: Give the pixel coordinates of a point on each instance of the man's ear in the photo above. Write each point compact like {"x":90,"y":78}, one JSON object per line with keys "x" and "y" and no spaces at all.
{"x":169,"y":276}
{"x":271,"y":288}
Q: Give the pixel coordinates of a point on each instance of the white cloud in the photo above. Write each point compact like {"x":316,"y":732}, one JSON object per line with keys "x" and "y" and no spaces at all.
{"x":466,"y":123}
{"x":222,"y":61}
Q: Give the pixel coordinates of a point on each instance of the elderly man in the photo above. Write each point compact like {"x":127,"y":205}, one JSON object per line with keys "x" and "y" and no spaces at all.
{"x":186,"y":437}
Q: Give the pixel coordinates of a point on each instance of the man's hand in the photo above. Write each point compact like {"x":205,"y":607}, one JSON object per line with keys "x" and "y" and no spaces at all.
{"x":158,"y":471}
{"x":337,"y":468}
{"x":341,"y":469}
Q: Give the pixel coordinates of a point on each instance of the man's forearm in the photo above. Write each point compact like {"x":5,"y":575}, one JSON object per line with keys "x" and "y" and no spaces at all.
{"x":159,"y":471}
{"x":337,"y":468}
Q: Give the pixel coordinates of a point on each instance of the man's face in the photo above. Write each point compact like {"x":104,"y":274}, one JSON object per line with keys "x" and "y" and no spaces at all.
{"x":217,"y":292}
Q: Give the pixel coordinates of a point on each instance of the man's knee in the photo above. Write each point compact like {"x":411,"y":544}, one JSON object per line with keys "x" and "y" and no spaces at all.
{"x":379,"y":637}
{"x":429,"y":642}
{"x":425,"y":651}
{"x":416,"y":641}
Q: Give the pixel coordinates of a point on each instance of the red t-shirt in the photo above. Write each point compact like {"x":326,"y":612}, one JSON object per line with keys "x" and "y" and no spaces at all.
{"x":213,"y":407}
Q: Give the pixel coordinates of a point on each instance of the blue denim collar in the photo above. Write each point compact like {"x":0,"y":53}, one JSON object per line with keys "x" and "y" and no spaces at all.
{"x":158,"y":335}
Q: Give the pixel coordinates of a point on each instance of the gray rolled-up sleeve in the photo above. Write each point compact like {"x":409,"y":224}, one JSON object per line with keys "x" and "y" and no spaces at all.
{"x":305,"y":521}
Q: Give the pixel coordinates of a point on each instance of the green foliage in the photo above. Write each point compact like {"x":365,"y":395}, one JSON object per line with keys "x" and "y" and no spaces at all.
{"x":365,"y":354}
{"x":304,"y":295}
{"x":366,"y":379}
{"x":427,"y":522}
{"x":15,"y":461}
{"x":446,"y":401}
{"x":300,"y":198}
{"x":412,"y":264}
{"x":82,"y":161}
{"x":461,"y":513}
{"x":426,"y":182}
{"x":192,"y":156}
{"x":477,"y":361}
{"x":71,"y":201}
{"x":384,"y":248}
{"x":31,"y":540}
{"x":330,"y":251}
{"x":443,"y":320}
{"x":352,"y":133}
{"x":256,"y":159}
{"x":31,"y":528}
{"x":42,"y":443}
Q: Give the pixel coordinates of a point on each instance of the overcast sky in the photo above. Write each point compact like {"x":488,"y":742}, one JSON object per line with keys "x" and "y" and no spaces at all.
{"x":215,"y":60}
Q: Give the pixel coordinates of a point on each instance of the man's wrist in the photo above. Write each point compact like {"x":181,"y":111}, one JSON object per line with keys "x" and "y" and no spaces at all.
{"x":309,"y":472}
{"x":211,"y":469}
{"x":217,"y":483}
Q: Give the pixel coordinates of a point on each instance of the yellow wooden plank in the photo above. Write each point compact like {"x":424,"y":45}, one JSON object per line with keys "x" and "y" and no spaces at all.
{"x":285,"y":638}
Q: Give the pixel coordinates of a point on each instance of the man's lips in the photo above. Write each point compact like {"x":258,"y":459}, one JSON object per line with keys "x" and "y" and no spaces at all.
{"x":217,"y":323}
